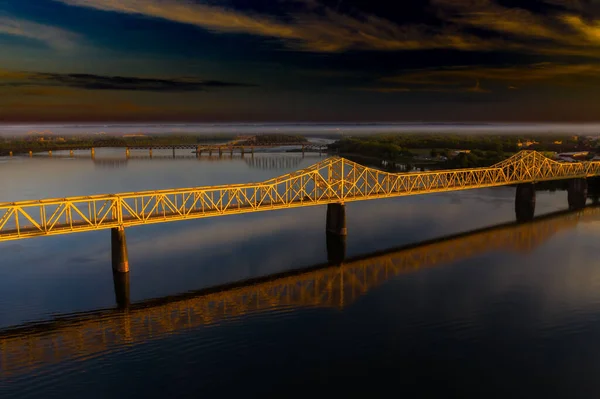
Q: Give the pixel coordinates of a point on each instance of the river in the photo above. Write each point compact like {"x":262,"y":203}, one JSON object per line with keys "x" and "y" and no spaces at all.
{"x":512,"y":311}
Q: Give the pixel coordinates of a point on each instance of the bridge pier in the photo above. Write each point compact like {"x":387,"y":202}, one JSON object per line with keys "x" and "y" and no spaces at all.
{"x":30,"y":154}
{"x":93,"y":152}
{"x":220,"y":152}
{"x":71,"y":153}
{"x":577,"y":190}
{"x":336,"y":219}
{"x":121,"y":285}
{"x":150,"y":152}
{"x":127,"y":152}
{"x":525,"y":202}
{"x":173,"y":152}
{"x":10,"y":153}
{"x":120,"y":258}
{"x":49,"y":153}
{"x":336,"y":248}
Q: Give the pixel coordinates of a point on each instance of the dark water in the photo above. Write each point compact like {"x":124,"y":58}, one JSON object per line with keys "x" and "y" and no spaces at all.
{"x":512,"y":311}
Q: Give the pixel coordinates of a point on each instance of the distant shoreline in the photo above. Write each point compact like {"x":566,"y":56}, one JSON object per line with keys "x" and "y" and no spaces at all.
{"x":331,"y":129}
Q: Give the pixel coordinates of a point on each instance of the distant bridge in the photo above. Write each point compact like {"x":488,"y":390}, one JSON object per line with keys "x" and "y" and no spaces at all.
{"x":335,"y":285}
{"x":197,"y":148}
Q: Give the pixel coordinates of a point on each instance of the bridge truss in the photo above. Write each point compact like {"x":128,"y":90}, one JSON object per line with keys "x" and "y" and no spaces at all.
{"x":333,"y":180}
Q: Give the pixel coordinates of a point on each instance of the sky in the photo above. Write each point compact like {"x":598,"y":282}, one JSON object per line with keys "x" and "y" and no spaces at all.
{"x":299,"y":61}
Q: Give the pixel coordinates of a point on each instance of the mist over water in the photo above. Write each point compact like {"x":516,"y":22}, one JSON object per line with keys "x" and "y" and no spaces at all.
{"x":304,"y":128}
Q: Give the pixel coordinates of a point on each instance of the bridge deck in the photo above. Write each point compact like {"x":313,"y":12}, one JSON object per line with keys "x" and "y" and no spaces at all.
{"x":333,"y":180}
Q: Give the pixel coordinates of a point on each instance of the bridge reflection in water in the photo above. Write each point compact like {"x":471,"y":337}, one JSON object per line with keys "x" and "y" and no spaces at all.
{"x":336,"y":284}
{"x":269,"y":162}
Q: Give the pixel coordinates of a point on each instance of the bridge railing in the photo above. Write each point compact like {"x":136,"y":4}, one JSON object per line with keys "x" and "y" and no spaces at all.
{"x":334,"y":180}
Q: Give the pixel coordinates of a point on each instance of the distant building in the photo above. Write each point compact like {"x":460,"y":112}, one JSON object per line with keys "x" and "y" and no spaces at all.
{"x":579,"y":154}
{"x":456,"y":152}
{"x":527,"y":143}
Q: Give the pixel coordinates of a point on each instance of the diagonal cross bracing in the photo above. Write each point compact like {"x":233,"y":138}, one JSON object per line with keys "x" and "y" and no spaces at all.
{"x":333,"y":180}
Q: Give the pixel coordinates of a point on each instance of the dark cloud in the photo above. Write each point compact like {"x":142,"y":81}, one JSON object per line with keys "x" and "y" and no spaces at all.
{"x":100,"y":82}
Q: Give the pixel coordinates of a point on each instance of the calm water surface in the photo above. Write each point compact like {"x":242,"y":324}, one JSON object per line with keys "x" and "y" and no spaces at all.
{"x":509,"y":312}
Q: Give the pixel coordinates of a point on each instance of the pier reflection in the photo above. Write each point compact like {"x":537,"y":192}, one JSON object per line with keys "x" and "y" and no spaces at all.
{"x":268,"y":162}
{"x":336,"y":284}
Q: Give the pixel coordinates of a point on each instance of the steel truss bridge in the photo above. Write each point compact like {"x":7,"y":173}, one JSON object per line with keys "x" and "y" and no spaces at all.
{"x":28,"y":347}
{"x":334,"y":180}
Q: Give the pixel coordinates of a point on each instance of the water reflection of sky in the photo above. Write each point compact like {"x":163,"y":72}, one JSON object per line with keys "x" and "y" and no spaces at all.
{"x":73,"y":273}
{"x":464,"y":329}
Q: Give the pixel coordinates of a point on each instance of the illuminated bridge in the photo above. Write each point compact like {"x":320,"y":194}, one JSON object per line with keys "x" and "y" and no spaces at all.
{"x":333,"y":182}
{"x":81,"y":336}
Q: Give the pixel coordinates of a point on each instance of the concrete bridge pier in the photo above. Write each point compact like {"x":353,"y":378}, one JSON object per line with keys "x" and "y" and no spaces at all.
{"x":50,"y":153}
{"x":71,"y":153}
{"x":525,"y":202}
{"x":198,"y":152}
{"x":220,"y":152}
{"x":336,"y":248}
{"x":121,"y":285}
{"x":173,"y":152}
{"x":30,"y":154}
{"x":336,"y":219}
{"x":120,"y":258}
{"x":10,"y":153}
{"x":150,"y":152}
{"x":93,"y":152}
{"x":127,"y":152}
{"x":577,"y":190}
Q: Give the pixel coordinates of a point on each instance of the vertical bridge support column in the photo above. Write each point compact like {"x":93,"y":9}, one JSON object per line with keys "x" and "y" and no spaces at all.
{"x":525,"y":202}
{"x":336,"y":219}
{"x":120,"y":259}
{"x":577,"y":193}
